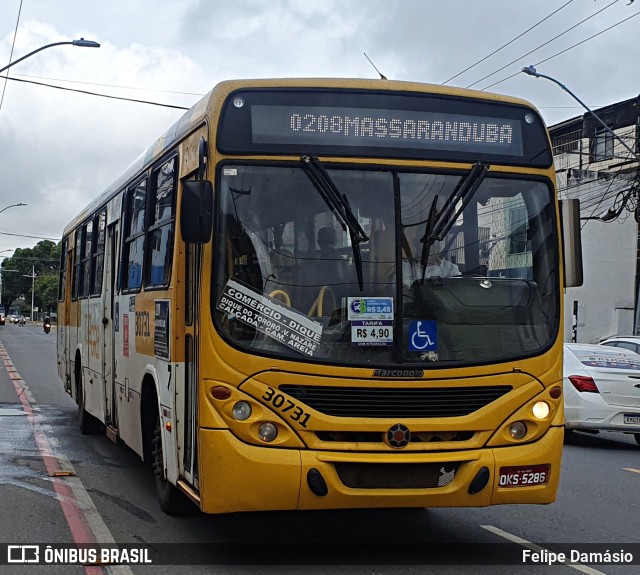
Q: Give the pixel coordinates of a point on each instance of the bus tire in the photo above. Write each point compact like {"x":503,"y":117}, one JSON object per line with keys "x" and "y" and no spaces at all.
{"x":89,"y":425}
{"x":170,"y":499}
{"x":637,"y":436}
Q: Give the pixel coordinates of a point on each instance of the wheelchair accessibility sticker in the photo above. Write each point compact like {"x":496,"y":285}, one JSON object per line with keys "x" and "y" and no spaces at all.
{"x":423,"y":335}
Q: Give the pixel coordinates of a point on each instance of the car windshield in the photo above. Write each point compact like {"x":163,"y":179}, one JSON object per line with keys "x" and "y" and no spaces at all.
{"x":286,"y":283}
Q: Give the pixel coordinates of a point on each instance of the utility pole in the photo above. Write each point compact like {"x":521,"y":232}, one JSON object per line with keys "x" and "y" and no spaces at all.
{"x":33,"y":285}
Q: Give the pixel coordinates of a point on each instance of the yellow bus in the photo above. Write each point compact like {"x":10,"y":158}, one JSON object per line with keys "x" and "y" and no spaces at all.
{"x":324,"y":293}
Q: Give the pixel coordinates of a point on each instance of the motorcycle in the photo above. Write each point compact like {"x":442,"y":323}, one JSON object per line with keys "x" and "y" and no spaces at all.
{"x":47,"y":326}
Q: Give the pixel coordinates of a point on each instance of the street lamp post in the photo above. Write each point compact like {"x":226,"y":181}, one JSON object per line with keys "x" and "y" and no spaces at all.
{"x":531,"y":71}
{"x":82,"y":43}
{"x":6,"y":208}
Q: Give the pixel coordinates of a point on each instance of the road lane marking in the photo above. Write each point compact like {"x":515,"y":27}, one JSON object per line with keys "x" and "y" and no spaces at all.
{"x":631,"y":469}
{"x":83,"y":518}
{"x":534,"y":547}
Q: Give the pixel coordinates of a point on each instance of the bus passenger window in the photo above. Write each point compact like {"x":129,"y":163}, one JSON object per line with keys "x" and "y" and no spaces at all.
{"x":77,"y":265}
{"x":62,"y":282}
{"x":161,"y":226}
{"x":98,"y":252}
{"x":134,"y":236}
{"x":86,"y":260}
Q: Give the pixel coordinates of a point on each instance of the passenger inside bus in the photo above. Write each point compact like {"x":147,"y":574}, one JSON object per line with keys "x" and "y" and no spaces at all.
{"x":327,"y":240}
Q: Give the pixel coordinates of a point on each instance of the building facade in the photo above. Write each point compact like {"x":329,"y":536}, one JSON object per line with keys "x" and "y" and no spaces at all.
{"x":595,"y":167}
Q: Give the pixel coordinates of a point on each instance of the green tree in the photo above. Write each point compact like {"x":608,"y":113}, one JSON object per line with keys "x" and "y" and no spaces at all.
{"x":47,"y":292}
{"x":43,"y":259}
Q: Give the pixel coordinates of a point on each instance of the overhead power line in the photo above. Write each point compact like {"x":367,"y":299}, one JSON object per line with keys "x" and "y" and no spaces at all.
{"x":13,"y":45}
{"x":119,"y":86}
{"x":96,"y":94}
{"x":565,"y":50}
{"x":544,"y":44}
{"x":507,"y":44}
{"x":28,"y":236}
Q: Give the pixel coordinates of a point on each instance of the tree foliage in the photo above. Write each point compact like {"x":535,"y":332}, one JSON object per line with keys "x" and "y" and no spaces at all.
{"x":42,"y":260}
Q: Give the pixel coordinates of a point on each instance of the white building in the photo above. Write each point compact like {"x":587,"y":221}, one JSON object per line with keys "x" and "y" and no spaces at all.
{"x":596,"y":168}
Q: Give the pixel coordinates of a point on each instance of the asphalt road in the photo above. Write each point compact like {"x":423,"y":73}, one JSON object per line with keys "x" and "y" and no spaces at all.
{"x":57,"y":487}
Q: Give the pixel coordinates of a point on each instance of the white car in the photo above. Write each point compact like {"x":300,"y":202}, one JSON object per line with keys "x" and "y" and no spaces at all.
{"x":601,"y":388}
{"x":631,"y":342}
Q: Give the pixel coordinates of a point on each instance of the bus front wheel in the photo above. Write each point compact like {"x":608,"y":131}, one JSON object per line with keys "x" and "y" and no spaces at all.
{"x":169,"y":498}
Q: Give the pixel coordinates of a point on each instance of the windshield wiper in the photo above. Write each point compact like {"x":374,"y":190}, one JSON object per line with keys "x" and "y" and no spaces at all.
{"x":339,"y":206}
{"x":440,"y":222}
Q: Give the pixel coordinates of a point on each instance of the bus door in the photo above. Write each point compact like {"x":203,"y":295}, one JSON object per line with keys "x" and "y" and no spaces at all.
{"x":110,"y":323}
{"x":189,"y":431}
{"x":64,"y":318}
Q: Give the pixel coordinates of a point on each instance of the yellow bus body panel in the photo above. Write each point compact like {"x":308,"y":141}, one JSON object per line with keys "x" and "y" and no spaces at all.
{"x":240,"y":476}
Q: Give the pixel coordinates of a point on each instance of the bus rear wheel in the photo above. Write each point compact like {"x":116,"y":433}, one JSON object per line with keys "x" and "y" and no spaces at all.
{"x":170,"y":499}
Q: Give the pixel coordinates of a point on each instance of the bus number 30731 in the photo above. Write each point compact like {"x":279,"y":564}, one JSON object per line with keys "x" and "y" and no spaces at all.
{"x":281,"y":403}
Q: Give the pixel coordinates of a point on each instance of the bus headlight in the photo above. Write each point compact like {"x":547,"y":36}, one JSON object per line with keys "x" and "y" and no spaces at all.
{"x":517,"y":430}
{"x":541,"y":410}
{"x":267,"y":432}
{"x":242,"y":411}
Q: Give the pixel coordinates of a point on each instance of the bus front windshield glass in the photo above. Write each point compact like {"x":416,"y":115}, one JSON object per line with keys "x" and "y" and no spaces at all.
{"x":452,"y":272}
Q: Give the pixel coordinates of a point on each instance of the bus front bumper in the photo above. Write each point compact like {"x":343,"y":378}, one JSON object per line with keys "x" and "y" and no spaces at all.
{"x":235,"y":476}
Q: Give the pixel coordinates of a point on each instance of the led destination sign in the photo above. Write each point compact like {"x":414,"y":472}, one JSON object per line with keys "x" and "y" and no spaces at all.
{"x":341,"y":126}
{"x":378,"y":124}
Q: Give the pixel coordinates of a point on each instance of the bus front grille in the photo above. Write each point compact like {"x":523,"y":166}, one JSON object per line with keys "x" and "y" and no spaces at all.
{"x":396,"y":475}
{"x":378,"y":436}
{"x":395,"y":403}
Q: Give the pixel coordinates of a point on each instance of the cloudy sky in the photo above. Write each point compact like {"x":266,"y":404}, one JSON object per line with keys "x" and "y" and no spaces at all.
{"x":58,"y":149}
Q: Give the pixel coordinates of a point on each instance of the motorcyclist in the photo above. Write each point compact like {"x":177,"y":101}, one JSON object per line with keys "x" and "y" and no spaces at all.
{"x":47,"y":324}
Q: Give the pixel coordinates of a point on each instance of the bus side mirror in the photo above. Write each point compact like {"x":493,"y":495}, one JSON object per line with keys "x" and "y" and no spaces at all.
{"x":196,"y":211}
{"x":571,"y":242}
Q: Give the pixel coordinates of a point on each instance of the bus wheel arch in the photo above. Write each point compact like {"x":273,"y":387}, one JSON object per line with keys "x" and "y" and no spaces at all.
{"x":89,"y":425}
{"x":169,"y":497}
{"x":149,"y":413}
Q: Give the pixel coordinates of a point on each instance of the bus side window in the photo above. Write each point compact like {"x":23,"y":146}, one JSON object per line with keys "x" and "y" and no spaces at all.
{"x":85,"y":288}
{"x":62,"y":282}
{"x":98,"y":252}
{"x":161,"y":225}
{"x":133,"y":252}
{"x":77,"y":264}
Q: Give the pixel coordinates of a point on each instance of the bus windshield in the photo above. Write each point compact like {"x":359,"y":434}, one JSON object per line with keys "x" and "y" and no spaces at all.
{"x":287,"y":275}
